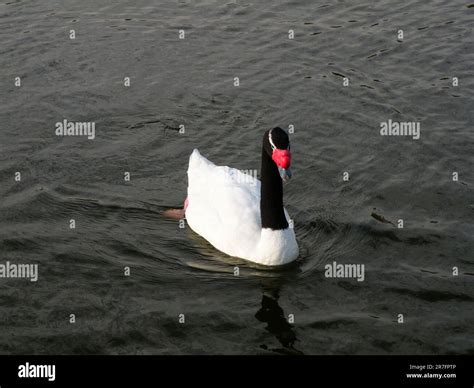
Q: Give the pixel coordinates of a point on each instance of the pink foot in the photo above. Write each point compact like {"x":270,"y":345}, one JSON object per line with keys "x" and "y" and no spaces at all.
{"x":177,"y":214}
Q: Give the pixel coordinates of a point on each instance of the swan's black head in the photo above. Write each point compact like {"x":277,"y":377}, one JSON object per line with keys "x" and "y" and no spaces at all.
{"x":276,"y":144}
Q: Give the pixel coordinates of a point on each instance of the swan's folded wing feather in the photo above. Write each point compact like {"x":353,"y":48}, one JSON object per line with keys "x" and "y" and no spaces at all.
{"x":224,"y":206}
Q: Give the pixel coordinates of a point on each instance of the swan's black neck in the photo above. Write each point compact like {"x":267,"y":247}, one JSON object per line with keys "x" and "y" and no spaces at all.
{"x":271,"y":195}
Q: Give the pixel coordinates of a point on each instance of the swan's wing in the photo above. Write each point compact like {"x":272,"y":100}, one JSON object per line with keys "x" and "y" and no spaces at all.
{"x":224,"y":206}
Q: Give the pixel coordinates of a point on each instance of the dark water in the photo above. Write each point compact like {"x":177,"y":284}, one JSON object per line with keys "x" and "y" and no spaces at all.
{"x":282,"y":82}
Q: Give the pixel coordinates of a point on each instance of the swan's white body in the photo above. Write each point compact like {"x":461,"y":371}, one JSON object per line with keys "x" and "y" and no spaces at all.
{"x":224,"y":208}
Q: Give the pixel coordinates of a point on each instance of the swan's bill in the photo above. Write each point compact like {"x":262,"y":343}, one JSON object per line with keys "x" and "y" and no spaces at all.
{"x":285,"y":174}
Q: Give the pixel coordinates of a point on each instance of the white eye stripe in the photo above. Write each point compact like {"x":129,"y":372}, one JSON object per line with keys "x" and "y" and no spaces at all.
{"x":270,"y":139}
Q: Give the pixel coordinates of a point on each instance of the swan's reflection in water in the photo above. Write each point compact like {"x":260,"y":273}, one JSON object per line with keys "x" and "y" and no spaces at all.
{"x":216,"y":265}
{"x":277,"y":321}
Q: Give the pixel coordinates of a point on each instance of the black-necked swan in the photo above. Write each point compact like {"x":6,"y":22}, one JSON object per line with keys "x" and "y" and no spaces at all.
{"x":238,"y":214}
